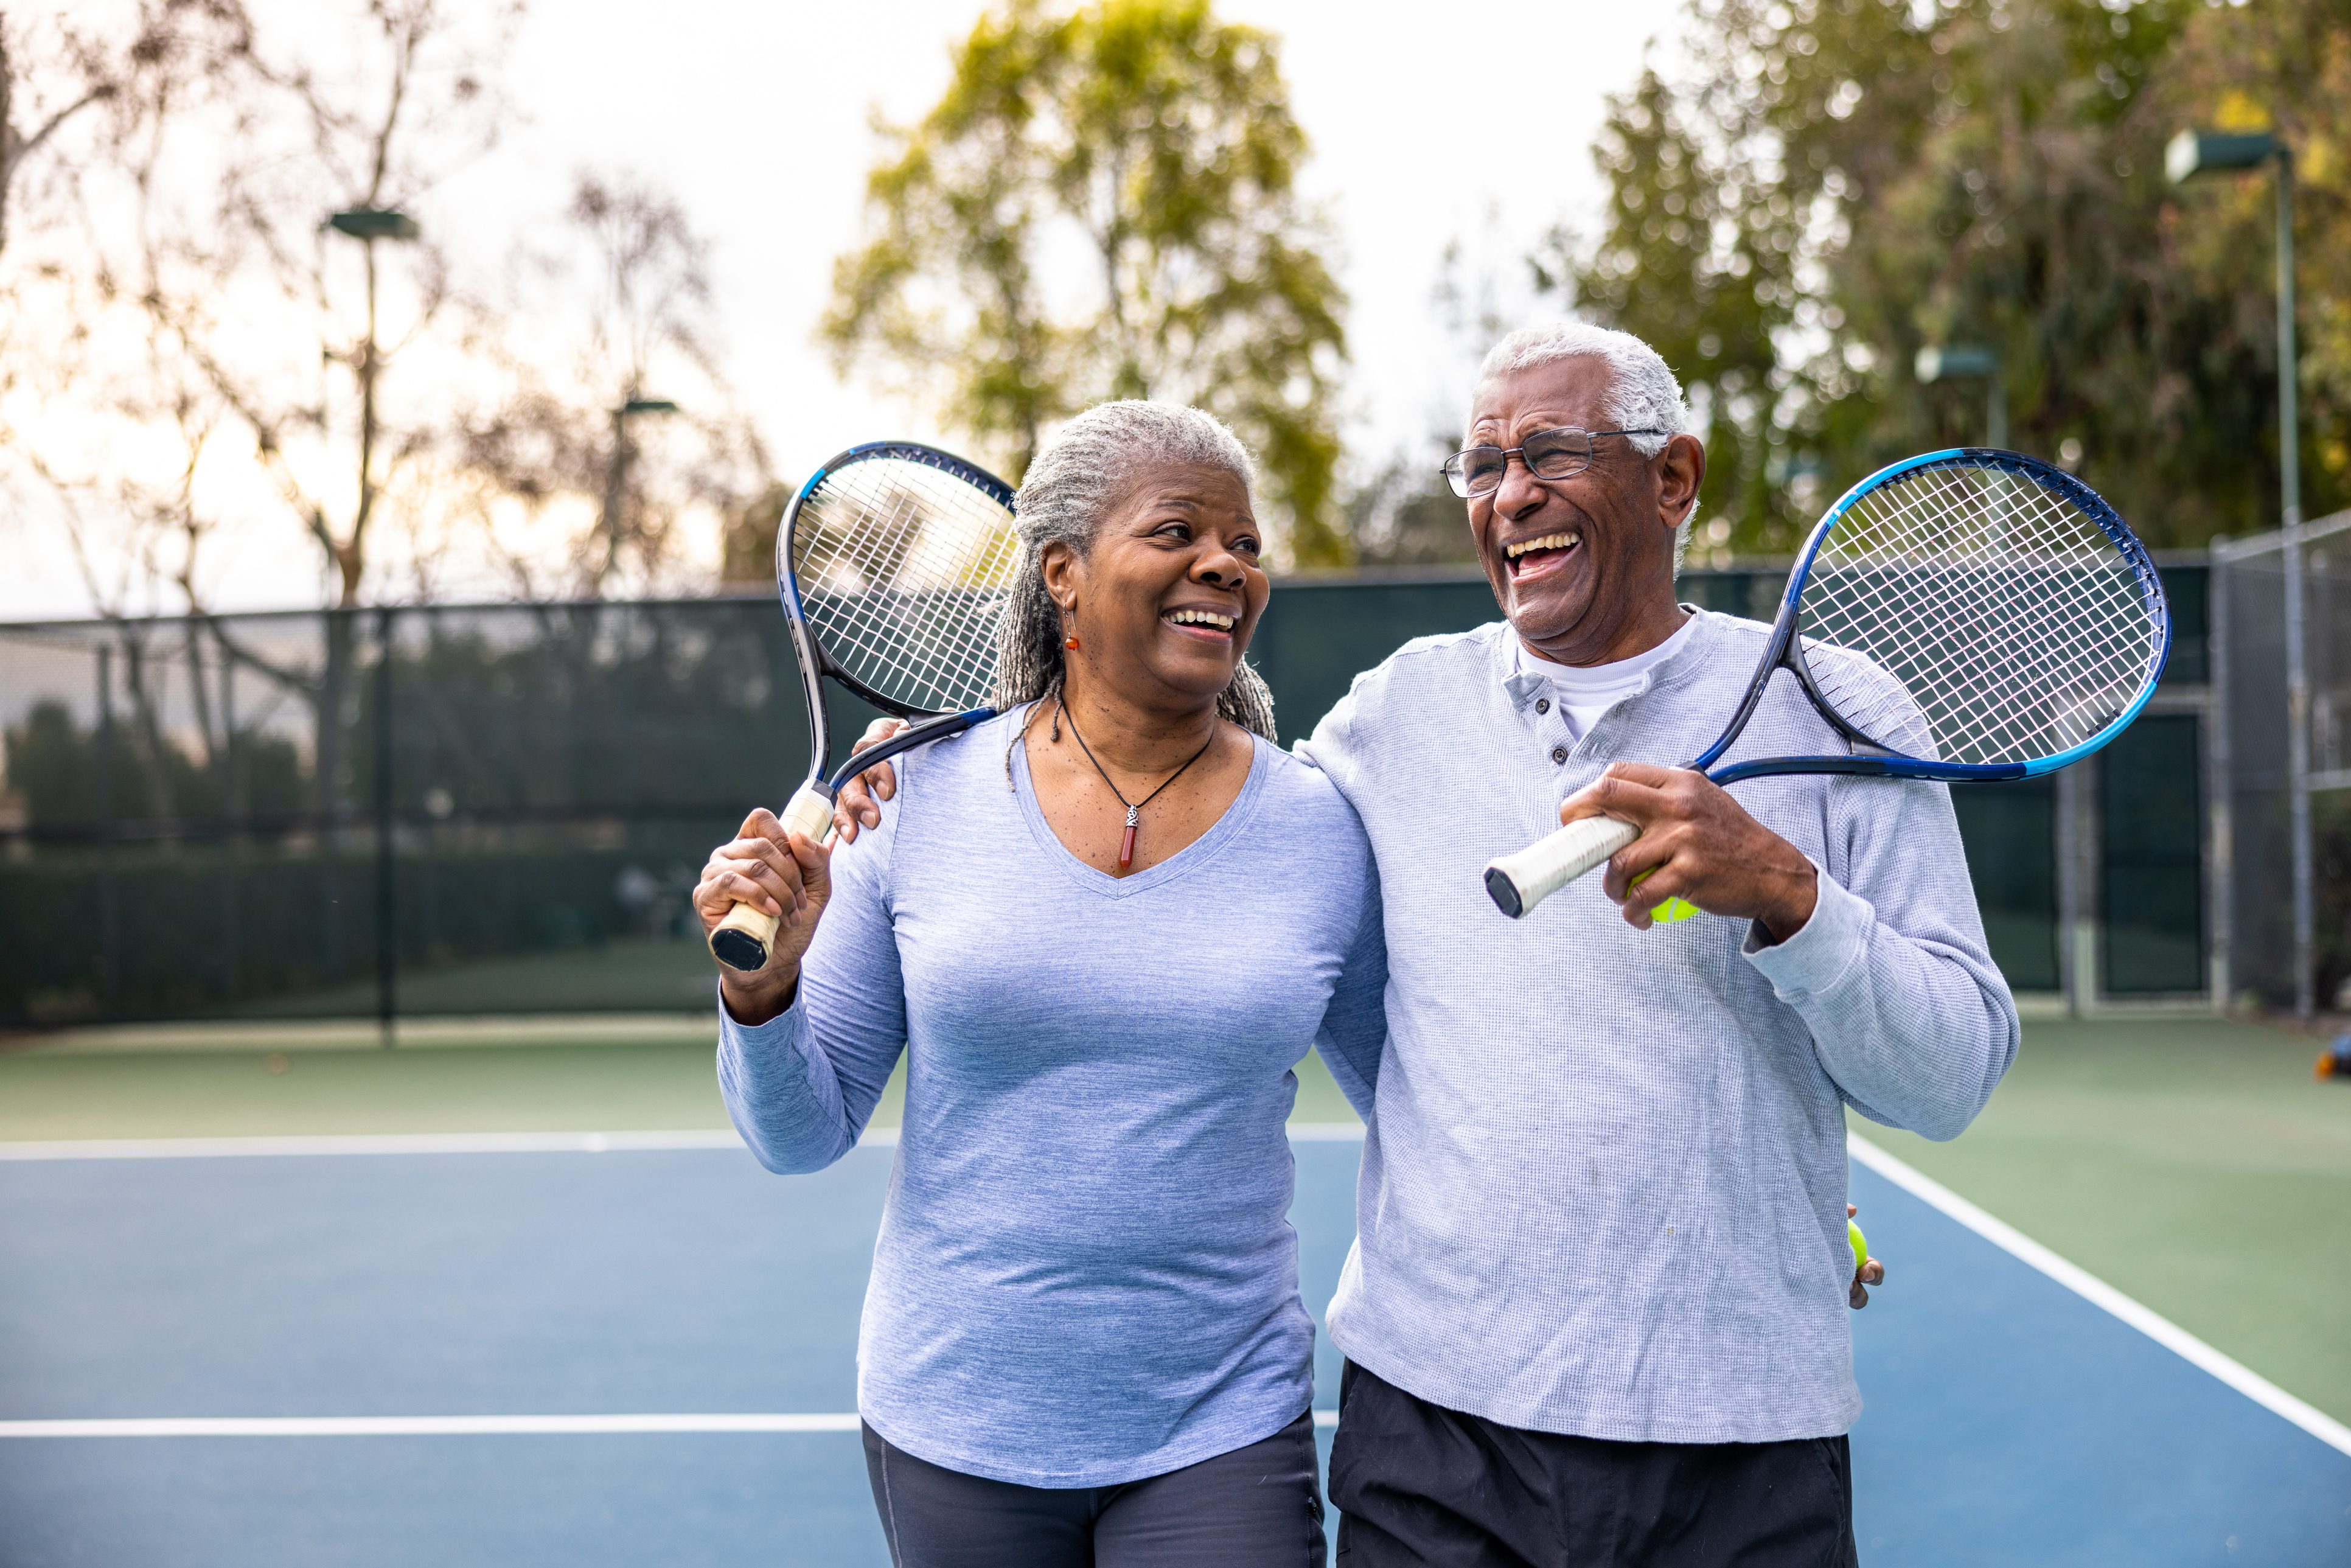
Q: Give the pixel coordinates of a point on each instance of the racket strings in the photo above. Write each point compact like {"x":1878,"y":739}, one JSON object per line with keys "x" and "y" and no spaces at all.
{"x":2080,"y":546}
{"x":2009,"y":697}
{"x":2007,"y":615}
{"x":853,"y":567}
{"x":2020,"y":702}
{"x":2106,"y":611}
{"x":903,"y":571}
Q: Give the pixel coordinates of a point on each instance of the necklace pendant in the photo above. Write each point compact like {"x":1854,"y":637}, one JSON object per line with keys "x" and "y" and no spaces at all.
{"x":1126,"y":845}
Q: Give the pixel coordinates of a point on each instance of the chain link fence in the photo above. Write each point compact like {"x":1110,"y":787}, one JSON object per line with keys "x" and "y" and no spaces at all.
{"x":501,"y":809}
{"x":354,"y":813}
{"x":2253,"y":943}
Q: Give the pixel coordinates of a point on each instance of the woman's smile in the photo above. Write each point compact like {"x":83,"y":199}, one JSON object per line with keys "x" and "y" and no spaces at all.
{"x":1206,"y":623}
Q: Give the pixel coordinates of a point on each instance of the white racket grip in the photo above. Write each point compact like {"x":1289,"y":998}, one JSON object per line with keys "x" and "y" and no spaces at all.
{"x":1518,"y":881}
{"x":743,"y":940}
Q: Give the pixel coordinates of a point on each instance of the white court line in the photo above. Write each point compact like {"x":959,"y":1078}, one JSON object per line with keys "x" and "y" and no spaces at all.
{"x":2098,"y":1293}
{"x":2162,"y":1330}
{"x":372,"y":1144}
{"x":447,"y":1426}
{"x":457,"y":1425}
{"x":473,"y":1144}
{"x":421,"y":1426}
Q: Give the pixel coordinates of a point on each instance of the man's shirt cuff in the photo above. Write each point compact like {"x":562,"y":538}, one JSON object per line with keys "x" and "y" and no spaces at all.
{"x":1824,"y":952}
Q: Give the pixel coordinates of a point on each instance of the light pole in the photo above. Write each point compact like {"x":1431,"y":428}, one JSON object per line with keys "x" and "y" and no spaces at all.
{"x":1958,"y":360}
{"x":2189,"y":155}
{"x":616,"y":473}
{"x":367,"y":226}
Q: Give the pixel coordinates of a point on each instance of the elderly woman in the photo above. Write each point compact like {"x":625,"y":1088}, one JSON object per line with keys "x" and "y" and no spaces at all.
{"x":1103,"y":928}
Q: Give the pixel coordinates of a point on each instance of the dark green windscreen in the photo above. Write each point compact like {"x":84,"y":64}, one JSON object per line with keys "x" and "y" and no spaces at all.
{"x":2010,"y":833}
{"x":2151,"y":888}
{"x":500,"y":808}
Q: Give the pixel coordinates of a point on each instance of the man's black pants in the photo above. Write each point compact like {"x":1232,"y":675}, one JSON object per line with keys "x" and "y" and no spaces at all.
{"x":1416,"y":1483}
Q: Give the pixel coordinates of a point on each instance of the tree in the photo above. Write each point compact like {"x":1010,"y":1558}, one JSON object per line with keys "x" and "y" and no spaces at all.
{"x":1404,"y":514}
{"x":1159,"y":139}
{"x":214,"y":317}
{"x":1698,"y":258}
{"x":1834,"y":184}
{"x":111,"y":75}
{"x":83,"y":100}
{"x":557,"y":441}
{"x":78,"y":76}
{"x":226,"y":245}
{"x":107,"y":422}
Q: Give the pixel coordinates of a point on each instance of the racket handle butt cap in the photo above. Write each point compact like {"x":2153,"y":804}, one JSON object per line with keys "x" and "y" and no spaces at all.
{"x":1520,"y":881}
{"x":738,"y":942}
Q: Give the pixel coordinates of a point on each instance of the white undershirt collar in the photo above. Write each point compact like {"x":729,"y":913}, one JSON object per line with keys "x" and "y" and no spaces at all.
{"x":1586,"y":691}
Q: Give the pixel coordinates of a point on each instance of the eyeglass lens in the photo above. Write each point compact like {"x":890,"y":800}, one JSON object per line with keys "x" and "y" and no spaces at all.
{"x":1549,"y":454}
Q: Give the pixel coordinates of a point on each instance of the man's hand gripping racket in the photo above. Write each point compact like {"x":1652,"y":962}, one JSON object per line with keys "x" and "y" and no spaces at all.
{"x":892,"y":564}
{"x":1968,"y":614}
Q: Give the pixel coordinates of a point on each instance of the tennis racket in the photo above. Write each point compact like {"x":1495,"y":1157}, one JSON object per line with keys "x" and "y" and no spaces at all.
{"x":893,"y":564}
{"x":1968,"y":614}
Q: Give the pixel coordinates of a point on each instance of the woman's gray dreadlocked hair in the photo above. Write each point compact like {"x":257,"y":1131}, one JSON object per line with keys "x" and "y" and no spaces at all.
{"x":1070,"y":484}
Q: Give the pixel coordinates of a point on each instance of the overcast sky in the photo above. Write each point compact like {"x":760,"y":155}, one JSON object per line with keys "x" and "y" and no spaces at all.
{"x":1470,"y":121}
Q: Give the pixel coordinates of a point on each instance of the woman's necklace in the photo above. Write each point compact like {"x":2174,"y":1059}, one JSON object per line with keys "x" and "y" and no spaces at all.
{"x":1127,"y":843}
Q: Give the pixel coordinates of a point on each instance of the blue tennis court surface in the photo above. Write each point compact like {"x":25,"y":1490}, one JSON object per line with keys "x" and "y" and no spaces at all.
{"x":2010,"y":1421}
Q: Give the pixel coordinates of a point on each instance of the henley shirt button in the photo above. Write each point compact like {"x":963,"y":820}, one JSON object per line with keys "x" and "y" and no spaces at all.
{"x":1559,"y":754}
{"x":1542,"y":705}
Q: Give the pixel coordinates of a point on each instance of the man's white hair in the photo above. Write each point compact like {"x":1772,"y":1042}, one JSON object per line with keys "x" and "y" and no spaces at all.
{"x":1643,"y":393}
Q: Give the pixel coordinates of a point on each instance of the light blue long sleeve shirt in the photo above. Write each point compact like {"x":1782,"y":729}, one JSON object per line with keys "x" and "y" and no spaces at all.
{"x":1085,"y":1273}
{"x":1604,"y":1185}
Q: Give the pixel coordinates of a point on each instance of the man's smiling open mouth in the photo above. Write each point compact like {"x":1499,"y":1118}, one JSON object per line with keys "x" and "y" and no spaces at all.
{"x":1529,"y":556}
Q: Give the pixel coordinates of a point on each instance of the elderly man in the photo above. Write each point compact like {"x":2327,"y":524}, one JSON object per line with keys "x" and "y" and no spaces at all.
{"x":1595,"y":1311}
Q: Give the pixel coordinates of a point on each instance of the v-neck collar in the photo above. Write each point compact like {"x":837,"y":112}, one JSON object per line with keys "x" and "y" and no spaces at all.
{"x":1198,"y":853}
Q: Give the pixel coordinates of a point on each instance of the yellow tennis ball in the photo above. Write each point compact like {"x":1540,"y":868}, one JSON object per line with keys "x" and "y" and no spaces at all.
{"x":1672,"y":909}
{"x":1860,"y":1245}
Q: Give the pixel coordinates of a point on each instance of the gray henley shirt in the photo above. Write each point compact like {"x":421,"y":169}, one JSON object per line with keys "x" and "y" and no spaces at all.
{"x":1604,"y":1185}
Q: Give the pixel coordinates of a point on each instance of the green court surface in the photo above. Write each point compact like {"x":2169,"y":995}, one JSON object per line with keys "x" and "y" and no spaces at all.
{"x":2192,"y":1163}
{"x":490,"y":1075}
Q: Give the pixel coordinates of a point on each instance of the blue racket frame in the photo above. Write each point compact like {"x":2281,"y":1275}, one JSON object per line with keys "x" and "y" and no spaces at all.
{"x":815,"y":663}
{"x":1871,"y":759}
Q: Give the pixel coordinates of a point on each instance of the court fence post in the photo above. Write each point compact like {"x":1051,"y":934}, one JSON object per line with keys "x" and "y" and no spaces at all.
{"x":387,"y":946}
{"x":2297,"y":668}
{"x":109,"y":912}
{"x":2221,"y":841}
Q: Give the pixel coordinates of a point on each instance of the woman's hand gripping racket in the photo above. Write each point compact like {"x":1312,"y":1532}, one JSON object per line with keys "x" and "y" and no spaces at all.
{"x":1968,"y":614}
{"x":893,"y":563}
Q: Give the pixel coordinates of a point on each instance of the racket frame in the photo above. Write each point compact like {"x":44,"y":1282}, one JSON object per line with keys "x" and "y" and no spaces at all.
{"x":741,"y":941}
{"x":1871,"y":757}
{"x":810,"y":654}
{"x":1520,"y":881}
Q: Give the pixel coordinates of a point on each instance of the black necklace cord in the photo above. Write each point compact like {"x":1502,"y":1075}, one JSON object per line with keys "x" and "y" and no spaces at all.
{"x":1133,"y":808}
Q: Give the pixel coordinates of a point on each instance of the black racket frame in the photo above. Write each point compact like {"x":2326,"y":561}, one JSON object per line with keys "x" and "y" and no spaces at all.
{"x":925,"y":725}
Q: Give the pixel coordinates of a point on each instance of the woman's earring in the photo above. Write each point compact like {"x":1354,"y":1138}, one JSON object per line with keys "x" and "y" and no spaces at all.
{"x":1070,"y":636}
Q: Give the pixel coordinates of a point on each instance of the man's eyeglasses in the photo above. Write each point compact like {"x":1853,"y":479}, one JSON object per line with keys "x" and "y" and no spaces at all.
{"x":1548,"y":454}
